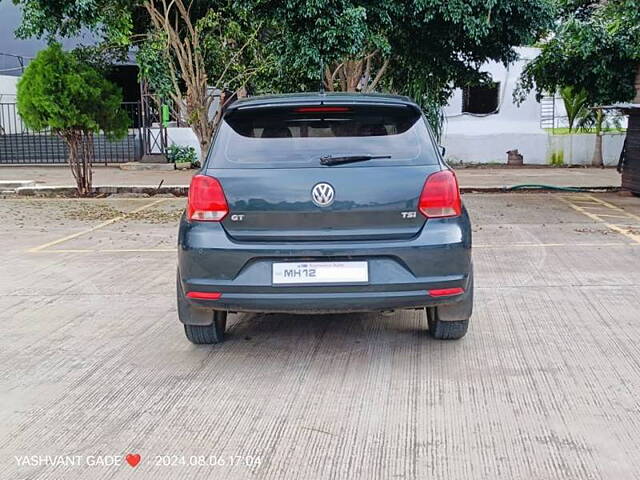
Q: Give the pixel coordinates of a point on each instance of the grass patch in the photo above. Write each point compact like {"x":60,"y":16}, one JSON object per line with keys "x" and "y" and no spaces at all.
{"x":565,"y":131}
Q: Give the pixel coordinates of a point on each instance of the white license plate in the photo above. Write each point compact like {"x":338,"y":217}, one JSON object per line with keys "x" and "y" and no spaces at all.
{"x":320,"y":272}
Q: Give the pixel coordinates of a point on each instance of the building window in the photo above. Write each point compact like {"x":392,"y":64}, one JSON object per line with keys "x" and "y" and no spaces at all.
{"x":481,"y":100}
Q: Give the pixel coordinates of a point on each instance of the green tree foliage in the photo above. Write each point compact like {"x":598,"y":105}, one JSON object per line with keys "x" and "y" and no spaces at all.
{"x":71,"y":98}
{"x":153,"y":61}
{"x":445,"y":41}
{"x":235,"y":47}
{"x":185,"y":56}
{"x":233,"y":44}
{"x":595,"y":49}
{"x":442,"y":44}
{"x":112,"y":19}
{"x":424,"y":48}
{"x":184,"y":47}
{"x":575,"y":104}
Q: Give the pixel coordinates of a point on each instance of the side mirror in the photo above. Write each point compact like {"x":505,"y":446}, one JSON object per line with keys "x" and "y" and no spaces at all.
{"x":443,"y":150}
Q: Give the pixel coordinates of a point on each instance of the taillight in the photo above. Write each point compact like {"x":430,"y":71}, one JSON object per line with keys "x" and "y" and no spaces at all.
{"x":207,"y":202}
{"x":205,"y":295}
{"x":445,"y":292}
{"x":440,"y":196}
{"x":322,"y":109}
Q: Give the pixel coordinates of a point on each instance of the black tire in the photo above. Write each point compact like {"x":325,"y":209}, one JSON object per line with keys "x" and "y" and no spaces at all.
{"x":208,"y":334}
{"x":201,"y":326}
{"x":441,"y":330}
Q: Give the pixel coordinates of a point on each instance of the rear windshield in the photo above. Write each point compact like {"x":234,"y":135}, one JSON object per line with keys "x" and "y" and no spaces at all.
{"x":300,"y":136}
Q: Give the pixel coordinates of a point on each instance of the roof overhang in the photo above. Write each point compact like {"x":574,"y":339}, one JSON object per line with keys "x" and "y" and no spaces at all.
{"x":624,"y":107}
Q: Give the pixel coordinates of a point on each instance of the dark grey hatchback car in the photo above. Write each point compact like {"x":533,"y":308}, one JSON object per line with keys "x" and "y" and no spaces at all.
{"x":324,"y":203}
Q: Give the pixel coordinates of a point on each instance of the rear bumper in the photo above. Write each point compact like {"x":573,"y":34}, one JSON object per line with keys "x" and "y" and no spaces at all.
{"x":319,"y":303}
{"x":400,"y":272}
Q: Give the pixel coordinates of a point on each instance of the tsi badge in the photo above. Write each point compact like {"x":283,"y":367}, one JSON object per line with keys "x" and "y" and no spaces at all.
{"x":409,"y":214}
{"x":237,"y":218}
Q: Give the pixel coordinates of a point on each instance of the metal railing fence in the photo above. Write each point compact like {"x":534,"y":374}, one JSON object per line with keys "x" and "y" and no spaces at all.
{"x":21,"y":145}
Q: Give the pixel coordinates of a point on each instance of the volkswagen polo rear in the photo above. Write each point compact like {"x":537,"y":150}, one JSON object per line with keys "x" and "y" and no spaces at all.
{"x":324,"y":204}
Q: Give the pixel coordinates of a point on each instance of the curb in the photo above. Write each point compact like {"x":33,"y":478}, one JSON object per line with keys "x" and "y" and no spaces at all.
{"x":66,"y":191}
{"x":182,"y":190}
{"x":141,"y":167}
{"x":542,"y":189}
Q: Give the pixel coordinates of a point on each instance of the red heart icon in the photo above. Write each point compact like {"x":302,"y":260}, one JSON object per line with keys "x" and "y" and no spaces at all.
{"x":133,"y":459}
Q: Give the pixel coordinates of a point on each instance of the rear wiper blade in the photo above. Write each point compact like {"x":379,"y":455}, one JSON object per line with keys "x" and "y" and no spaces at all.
{"x":329,"y":160}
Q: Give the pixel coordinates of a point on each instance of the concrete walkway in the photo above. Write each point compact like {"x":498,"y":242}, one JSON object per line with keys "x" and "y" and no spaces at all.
{"x":480,"y":177}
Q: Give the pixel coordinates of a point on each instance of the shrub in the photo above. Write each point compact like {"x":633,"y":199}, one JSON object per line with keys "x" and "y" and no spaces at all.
{"x":60,"y":92}
{"x":181,"y":154}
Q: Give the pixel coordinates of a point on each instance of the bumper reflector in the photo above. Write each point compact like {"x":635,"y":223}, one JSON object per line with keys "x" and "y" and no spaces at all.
{"x":204,"y":295}
{"x":445,"y":292}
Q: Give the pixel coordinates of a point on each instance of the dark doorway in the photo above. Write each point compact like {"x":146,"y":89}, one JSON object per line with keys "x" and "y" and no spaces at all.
{"x":126,"y":77}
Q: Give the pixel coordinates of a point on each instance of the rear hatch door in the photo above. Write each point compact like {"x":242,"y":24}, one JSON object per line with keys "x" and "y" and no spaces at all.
{"x":269,"y":162}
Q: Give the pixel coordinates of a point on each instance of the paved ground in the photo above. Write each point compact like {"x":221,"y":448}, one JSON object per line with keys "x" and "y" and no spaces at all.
{"x":488,"y":177}
{"x":485,"y":177}
{"x":545,"y":386}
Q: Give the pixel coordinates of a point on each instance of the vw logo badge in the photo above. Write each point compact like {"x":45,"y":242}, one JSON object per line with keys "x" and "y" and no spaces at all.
{"x":322,"y":194}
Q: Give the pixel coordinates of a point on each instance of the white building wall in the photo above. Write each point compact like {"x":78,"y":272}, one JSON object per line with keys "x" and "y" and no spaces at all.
{"x":8,"y":86}
{"x":579,"y":149}
{"x":527,"y":113}
{"x":537,"y":148}
{"x":183,"y":137}
{"x":9,"y":121}
{"x":487,"y":138}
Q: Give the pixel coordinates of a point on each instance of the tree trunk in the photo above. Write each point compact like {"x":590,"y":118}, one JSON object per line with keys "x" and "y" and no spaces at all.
{"x":204,"y":139}
{"x":80,"y":145}
{"x":87,"y":162}
{"x":597,"y":153}
{"x":355,"y":74}
{"x":637,"y":84}
{"x":205,"y":128}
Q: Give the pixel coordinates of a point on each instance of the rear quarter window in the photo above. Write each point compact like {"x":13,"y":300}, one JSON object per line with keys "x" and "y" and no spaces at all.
{"x":299,"y":136}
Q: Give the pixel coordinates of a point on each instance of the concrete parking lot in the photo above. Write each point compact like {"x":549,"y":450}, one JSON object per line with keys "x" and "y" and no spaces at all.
{"x":546,"y":385}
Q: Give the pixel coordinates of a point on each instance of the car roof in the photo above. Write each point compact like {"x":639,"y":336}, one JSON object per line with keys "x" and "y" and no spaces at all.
{"x":265,"y":101}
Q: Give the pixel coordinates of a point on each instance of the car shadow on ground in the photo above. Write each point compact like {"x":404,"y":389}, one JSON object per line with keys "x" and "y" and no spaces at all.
{"x":332,"y":332}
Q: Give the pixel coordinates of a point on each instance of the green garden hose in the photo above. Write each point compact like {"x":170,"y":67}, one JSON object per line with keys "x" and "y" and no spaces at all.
{"x":525,"y":186}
